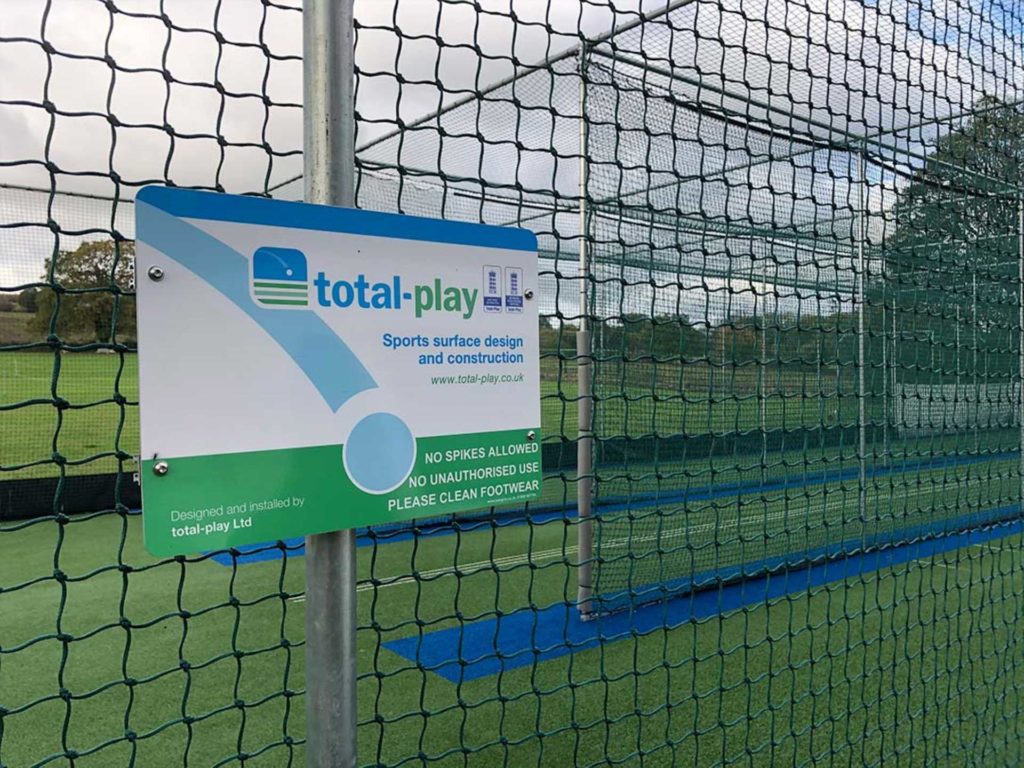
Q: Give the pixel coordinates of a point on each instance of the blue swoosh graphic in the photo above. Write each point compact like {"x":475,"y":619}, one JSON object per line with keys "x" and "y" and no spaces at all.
{"x":326,"y":359}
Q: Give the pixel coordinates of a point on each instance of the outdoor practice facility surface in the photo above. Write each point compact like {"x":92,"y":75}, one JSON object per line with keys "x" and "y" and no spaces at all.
{"x":204,"y":662}
{"x":789,"y":668}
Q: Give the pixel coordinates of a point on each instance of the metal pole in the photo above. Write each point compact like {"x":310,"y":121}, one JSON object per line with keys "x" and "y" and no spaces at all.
{"x":329,"y":171}
{"x":585,"y":392}
{"x":1020,"y":319}
{"x":764,"y":352}
{"x":886,"y":395}
{"x":974,"y":363}
{"x":861,"y":394}
{"x":957,"y":399}
{"x":761,"y":385}
{"x":895,"y":404}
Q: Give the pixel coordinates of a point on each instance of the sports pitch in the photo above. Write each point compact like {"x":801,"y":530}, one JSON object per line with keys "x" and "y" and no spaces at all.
{"x":202,"y":664}
{"x":148,"y":662}
{"x":102,"y":392}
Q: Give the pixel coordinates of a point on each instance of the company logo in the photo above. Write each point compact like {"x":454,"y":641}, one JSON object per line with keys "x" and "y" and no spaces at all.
{"x":280,"y":278}
{"x":492,"y":289}
{"x":513,"y":290}
{"x":366,"y":293}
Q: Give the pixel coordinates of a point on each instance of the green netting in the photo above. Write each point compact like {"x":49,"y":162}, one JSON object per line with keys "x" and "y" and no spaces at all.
{"x":758,"y":283}
{"x":802,"y":285}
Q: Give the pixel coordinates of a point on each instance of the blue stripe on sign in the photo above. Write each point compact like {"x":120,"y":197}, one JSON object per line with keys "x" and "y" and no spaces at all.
{"x":192,"y":204}
{"x":320,"y":353}
{"x":521,"y":639}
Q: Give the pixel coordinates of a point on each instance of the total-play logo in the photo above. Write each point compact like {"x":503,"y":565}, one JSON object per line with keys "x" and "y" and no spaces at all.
{"x":280,"y":280}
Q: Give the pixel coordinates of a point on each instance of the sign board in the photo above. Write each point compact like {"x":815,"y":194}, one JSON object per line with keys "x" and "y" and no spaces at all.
{"x":305,"y":369}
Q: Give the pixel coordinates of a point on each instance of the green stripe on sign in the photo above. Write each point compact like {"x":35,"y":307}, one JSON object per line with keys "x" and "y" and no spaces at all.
{"x":276,"y":494}
{"x":288,"y":294}
{"x":297,"y":302}
{"x":289,"y":286}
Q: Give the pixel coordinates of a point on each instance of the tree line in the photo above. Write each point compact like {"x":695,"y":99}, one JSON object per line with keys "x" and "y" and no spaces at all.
{"x":788,"y":339}
{"x":950,"y":265}
{"x":88,"y":297}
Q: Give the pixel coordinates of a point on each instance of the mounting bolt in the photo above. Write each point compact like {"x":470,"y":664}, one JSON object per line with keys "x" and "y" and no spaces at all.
{"x":528,"y":294}
{"x":160,"y":468}
{"x":531,"y":435}
{"x":156,"y":274}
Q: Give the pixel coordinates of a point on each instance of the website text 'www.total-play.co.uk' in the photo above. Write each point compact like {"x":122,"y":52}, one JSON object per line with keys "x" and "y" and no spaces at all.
{"x":479,"y":379}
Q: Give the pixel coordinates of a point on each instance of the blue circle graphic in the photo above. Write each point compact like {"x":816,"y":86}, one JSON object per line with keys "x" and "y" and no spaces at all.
{"x":379,"y":453}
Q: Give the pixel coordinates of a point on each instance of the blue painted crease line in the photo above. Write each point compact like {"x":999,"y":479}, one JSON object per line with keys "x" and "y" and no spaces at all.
{"x":525,"y":637}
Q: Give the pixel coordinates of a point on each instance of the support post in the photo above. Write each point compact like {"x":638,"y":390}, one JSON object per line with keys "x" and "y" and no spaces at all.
{"x":761,"y":389}
{"x":886,"y":361}
{"x":976,"y":385}
{"x":957,"y":397}
{"x":329,"y":170}
{"x":584,"y":376}
{"x":1020,"y":342}
{"x":862,"y":448}
{"x":896,"y":396}
{"x":762,"y":395}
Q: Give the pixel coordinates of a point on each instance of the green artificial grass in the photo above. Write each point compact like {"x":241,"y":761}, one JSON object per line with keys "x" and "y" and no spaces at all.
{"x":111,"y":657}
{"x":87,"y":433}
{"x":162,"y":663}
{"x":95,"y":426}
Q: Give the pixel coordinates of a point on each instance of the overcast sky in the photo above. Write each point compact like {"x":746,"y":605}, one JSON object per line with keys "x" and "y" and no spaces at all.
{"x":840,"y":63}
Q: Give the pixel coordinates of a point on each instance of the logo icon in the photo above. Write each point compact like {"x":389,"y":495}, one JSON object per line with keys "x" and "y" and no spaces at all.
{"x":280,"y":277}
{"x":492,"y":289}
{"x":513,"y":289}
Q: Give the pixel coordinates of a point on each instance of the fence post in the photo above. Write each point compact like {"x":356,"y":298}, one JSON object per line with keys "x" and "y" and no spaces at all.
{"x":584,"y":383}
{"x":329,"y":171}
{"x":895,"y":411}
{"x":886,"y":361}
{"x":861,"y":296}
{"x":762,"y":394}
{"x":1020,"y":342}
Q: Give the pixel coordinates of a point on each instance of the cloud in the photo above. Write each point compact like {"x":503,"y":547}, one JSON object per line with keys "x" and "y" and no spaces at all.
{"x":209,"y":95}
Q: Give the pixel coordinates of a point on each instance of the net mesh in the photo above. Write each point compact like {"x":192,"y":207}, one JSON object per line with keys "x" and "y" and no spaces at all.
{"x":801,"y":229}
{"x":755,"y":350}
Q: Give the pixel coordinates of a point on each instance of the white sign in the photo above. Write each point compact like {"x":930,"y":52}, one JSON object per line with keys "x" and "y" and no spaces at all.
{"x":363,"y":367}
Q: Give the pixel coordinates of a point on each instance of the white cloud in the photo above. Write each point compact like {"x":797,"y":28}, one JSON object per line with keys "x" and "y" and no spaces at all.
{"x":841,"y":63}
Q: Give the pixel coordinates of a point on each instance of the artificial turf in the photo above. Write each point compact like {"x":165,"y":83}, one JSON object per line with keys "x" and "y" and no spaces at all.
{"x":111,"y":657}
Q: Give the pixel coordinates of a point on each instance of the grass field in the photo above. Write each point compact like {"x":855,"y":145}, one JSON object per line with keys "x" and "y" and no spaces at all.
{"x":95,"y":426}
{"x":919,"y":660}
{"x":110,"y":657}
{"x":87,"y":433}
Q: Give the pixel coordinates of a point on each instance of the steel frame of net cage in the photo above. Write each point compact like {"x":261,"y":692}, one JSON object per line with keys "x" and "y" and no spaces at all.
{"x":879,"y":149}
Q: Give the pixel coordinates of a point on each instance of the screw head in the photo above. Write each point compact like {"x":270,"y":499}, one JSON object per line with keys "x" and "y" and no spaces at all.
{"x":156,"y":274}
{"x":531,"y":435}
{"x":528,"y":294}
{"x":160,"y":468}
